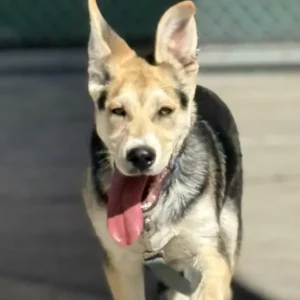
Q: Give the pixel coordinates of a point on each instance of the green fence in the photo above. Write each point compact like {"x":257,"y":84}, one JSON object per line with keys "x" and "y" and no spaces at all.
{"x":64,"y":22}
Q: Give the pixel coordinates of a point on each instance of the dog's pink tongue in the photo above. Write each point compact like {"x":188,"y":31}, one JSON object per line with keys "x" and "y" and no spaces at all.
{"x":124,"y":213}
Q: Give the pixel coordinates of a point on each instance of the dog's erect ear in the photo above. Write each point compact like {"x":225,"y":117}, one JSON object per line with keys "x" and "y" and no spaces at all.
{"x":176,"y":38}
{"x":106,"y":50}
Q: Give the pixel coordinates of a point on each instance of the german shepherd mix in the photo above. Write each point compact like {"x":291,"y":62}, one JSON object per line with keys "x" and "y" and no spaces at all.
{"x":166,"y":164}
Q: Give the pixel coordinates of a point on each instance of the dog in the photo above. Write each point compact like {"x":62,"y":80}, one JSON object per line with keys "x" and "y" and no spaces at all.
{"x":166,"y":163}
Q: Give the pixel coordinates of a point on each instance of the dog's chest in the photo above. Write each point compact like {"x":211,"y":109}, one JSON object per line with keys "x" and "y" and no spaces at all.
{"x":169,"y":247}
{"x":180,"y":243}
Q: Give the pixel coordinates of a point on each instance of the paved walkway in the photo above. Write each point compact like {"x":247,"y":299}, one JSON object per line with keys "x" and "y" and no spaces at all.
{"x":267,"y":109}
{"x":47,"y":249}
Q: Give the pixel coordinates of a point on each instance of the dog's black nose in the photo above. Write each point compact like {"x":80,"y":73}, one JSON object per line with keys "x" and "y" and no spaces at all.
{"x":142,"y":158}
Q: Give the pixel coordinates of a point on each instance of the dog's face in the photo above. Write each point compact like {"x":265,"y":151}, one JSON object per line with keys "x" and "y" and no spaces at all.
{"x":143,"y":111}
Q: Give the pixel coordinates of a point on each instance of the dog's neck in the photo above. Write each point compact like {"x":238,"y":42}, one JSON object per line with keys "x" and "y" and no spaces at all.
{"x":187,"y":181}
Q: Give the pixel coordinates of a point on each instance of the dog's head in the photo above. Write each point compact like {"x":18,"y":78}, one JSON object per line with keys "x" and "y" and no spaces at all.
{"x":142,"y":111}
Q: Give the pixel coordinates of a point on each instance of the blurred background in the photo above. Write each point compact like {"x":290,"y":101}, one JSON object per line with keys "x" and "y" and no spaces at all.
{"x":250,"y":56}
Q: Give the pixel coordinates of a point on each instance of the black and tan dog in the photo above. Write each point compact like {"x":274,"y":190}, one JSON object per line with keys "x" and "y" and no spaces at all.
{"x":166,"y":166}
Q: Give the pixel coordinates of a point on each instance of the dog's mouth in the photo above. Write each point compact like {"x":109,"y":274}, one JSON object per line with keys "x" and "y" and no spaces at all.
{"x":128,"y":198}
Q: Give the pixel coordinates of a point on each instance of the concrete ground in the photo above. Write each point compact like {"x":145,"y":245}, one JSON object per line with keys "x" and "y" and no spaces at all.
{"x":47,"y":247}
{"x":267,"y":110}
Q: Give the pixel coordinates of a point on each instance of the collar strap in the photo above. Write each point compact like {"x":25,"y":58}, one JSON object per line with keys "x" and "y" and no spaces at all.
{"x":185,"y":283}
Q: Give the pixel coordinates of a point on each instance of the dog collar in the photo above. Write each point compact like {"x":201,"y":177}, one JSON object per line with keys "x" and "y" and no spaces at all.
{"x":185,"y":282}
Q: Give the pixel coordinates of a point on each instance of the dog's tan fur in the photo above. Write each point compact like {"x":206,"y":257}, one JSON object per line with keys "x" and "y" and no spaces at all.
{"x":142,"y":90}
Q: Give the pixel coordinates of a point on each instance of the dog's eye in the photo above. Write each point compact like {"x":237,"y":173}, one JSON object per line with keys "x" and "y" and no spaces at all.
{"x":165,"y":111}
{"x":119,"y":111}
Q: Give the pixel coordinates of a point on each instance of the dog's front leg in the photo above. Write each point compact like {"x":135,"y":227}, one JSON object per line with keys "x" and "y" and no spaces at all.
{"x":216,"y":281}
{"x":125,"y":279}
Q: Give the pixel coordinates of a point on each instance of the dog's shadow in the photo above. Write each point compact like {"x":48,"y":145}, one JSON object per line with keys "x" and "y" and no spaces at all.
{"x":241,"y":292}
